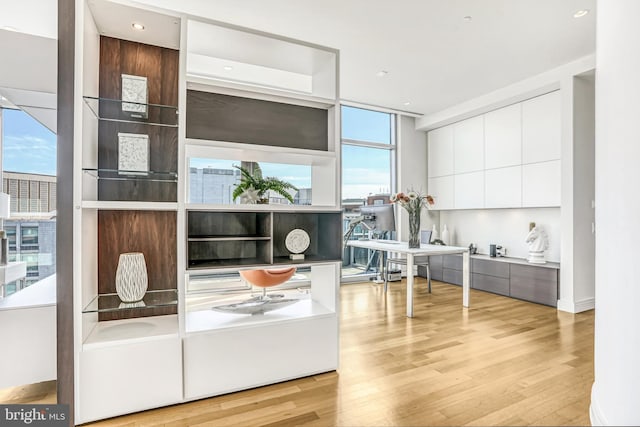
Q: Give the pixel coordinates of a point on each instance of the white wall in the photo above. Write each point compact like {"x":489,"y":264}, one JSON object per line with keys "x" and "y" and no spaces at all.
{"x":616,"y":391}
{"x":584,"y":190}
{"x":411,"y":164}
{"x":505,"y":227}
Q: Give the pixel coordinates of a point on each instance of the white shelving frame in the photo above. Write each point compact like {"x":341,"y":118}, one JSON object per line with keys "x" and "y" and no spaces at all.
{"x":170,"y":351}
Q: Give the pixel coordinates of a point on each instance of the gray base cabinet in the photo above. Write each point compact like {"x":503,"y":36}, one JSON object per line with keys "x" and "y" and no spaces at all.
{"x":534,"y":284}
{"x":503,"y":276}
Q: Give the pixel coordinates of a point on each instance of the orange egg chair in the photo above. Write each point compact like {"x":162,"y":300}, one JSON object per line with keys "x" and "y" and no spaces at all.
{"x":267,"y":278}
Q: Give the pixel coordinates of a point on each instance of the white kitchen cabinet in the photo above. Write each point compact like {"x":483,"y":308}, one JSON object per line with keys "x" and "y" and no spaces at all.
{"x":440,"y":152}
{"x":441,"y":188}
{"x":541,"y":128}
{"x":468,"y":145}
{"x":469,"y":190}
{"x":503,"y":137}
{"x":503,"y":187}
{"x":541,"y":184}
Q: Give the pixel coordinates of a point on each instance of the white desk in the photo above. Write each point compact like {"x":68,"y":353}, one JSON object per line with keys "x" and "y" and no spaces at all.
{"x":403,"y":248}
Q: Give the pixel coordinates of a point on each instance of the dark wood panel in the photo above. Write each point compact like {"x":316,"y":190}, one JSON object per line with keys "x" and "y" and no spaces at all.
{"x":163,"y":157}
{"x":151,"y":232}
{"x":491,"y":268}
{"x":497,"y":285}
{"x":158,"y":64}
{"x":64,"y":218}
{"x":160,"y":67}
{"x":220,"y":117}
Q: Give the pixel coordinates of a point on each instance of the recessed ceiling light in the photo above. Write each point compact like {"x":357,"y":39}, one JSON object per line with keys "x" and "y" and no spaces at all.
{"x":228,"y":67}
{"x":137,"y":26}
{"x":9,"y":28}
{"x":382,"y":73}
{"x":581,"y":13}
{"x":468,"y":18}
{"x":407,"y":103}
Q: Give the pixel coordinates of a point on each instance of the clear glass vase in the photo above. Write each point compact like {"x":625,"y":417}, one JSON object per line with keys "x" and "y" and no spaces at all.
{"x":414,"y":228}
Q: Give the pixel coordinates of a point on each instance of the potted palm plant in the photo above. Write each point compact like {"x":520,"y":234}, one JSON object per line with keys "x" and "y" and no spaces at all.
{"x":253,"y":187}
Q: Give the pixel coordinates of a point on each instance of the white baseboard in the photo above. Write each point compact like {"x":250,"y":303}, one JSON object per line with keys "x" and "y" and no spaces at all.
{"x":595,"y":414}
{"x":577,"y":306}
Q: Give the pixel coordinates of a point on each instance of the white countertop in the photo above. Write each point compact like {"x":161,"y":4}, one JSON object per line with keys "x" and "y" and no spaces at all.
{"x":403,"y":247}
{"x":40,"y":294}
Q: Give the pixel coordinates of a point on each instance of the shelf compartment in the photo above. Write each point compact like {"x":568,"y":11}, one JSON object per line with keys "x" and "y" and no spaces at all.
{"x":226,"y":238}
{"x":220,"y":254}
{"x":103,"y":303}
{"x":122,"y":331}
{"x":149,"y":114}
{"x":206,"y":320}
{"x":308,"y":259}
{"x":122,"y":175}
{"x":324,"y":230}
{"x":228,"y":224}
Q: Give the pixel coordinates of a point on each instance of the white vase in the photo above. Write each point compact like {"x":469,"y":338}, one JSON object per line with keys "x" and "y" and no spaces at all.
{"x":445,"y":235}
{"x":131,"y":277}
{"x":434,"y":233}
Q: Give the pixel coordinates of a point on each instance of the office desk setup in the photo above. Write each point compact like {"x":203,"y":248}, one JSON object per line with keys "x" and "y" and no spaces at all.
{"x":424,"y":249}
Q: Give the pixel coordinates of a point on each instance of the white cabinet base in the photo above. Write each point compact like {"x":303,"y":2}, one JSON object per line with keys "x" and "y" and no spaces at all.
{"x":125,"y":378}
{"x":226,"y":360}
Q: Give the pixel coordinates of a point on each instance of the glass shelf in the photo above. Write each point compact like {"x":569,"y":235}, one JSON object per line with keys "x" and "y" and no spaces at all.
{"x":134,"y":112}
{"x":123,"y":175}
{"x":111,"y":302}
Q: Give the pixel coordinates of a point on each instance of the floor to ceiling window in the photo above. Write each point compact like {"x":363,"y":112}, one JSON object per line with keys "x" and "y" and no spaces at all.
{"x":29,"y":177}
{"x":368,"y":178}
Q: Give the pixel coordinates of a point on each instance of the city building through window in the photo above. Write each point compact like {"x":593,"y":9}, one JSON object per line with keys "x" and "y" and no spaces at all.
{"x":29,"y":177}
{"x":368,"y":177}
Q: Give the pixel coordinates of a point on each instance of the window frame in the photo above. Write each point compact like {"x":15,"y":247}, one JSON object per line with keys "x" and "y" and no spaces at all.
{"x":391,"y":147}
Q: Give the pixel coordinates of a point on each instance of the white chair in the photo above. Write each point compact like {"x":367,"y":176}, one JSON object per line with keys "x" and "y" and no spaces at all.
{"x":425,"y":237}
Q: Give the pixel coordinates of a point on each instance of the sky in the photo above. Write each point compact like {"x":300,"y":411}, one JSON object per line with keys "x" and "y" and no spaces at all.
{"x":30,"y":147}
{"x":27,"y":146}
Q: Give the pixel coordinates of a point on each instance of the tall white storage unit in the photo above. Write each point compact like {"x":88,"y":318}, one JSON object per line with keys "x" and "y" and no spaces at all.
{"x":185,"y":350}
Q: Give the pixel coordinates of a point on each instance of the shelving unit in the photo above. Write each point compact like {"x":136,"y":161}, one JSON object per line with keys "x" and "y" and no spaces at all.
{"x":172,"y":340}
{"x":111,"y":110}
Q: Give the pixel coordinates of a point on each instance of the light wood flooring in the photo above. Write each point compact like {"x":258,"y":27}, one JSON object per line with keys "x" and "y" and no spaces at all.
{"x":500,"y":362}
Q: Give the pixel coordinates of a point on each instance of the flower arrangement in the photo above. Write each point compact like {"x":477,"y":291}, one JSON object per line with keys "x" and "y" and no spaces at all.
{"x":413,"y":202}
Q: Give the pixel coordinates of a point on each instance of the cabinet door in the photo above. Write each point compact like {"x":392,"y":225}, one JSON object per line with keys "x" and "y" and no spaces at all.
{"x":503,"y":137}
{"x":541,"y":184}
{"x":496,"y":285}
{"x":440,"y":152}
{"x":468,"y":145}
{"x":469,"y":190}
{"x":541,"y":128}
{"x":125,"y":378}
{"x":536,"y":284}
{"x":442,"y":191}
{"x":503,"y":187}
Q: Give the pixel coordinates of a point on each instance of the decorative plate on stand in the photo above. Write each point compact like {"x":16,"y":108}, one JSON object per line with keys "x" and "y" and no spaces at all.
{"x":297,"y":241}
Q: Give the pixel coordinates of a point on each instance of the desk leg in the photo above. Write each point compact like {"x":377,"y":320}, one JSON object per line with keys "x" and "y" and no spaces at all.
{"x":466,"y":278}
{"x":409,"y":285}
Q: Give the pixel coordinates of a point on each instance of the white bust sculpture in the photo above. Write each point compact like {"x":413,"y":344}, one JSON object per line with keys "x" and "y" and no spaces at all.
{"x":538,"y":243}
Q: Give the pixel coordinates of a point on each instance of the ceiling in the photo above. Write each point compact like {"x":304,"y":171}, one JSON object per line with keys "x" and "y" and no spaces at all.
{"x":434,"y":58}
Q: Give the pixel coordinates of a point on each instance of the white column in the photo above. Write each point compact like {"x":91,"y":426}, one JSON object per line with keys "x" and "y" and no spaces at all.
{"x":616,"y":392}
